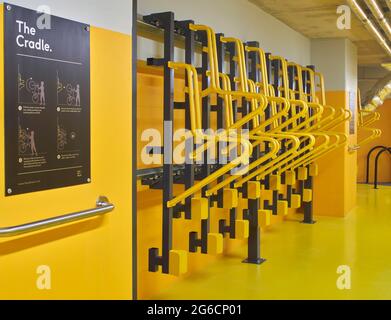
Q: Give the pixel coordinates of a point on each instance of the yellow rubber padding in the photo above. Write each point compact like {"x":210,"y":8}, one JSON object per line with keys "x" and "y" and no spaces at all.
{"x":254,"y":190}
{"x":215,"y":243}
{"x":178,"y":262}
{"x":231,"y":198}
{"x":282,"y":208}
{"x":295,"y":201}
{"x":265,"y":218}
{"x":275,"y":182}
{"x":199,"y":208}
{"x":290,"y":178}
{"x":267,"y":195}
{"x":307,"y":195}
{"x":314,"y":170}
{"x":242,"y":229}
{"x":302,"y":174}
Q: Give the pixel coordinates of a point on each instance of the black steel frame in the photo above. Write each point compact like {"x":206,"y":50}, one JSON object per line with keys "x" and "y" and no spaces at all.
{"x":166,"y":22}
{"x":254,"y":240}
{"x":309,"y":183}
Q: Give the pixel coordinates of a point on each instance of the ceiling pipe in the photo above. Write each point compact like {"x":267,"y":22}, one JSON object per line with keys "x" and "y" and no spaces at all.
{"x":379,"y":98}
{"x":369,"y":25}
{"x":378,"y":13}
{"x":378,"y":94}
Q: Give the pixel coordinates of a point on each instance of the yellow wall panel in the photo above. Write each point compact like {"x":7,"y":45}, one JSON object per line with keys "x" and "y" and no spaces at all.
{"x":335,"y":188}
{"x":91,"y":259}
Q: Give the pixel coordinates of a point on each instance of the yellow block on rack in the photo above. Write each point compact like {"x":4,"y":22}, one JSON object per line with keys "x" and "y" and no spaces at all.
{"x":265,"y":218}
{"x":307,"y":195}
{"x":282,"y":208}
{"x":254,"y":190}
{"x":242,"y":229}
{"x":302,"y":174}
{"x":267,"y":195}
{"x":199,"y":208}
{"x":178,"y":262}
{"x":275,"y":182}
{"x":295,"y":201}
{"x":231,"y":198}
{"x":215,"y":243}
{"x":314,"y":170}
{"x":290,"y":178}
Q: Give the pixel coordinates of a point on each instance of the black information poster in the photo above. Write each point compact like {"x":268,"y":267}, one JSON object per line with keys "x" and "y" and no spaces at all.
{"x":47,"y":101}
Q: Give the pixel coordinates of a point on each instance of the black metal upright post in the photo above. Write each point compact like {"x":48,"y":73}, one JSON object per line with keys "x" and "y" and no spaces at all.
{"x":195,"y":242}
{"x":309,"y":183}
{"x":220,"y":112}
{"x":189,"y":172}
{"x":268,"y":115}
{"x":292,"y":84}
{"x":273,"y":76}
{"x":206,"y":167}
{"x":166,"y":22}
{"x":276,"y":85}
{"x":223,"y":227}
{"x":254,"y":240}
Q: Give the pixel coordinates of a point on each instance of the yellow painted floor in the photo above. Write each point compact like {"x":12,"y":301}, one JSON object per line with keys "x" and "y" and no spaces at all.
{"x":303,"y":259}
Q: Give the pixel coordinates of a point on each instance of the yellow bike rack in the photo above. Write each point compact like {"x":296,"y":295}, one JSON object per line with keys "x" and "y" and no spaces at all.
{"x":365,"y":119}
{"x":272,"y":148}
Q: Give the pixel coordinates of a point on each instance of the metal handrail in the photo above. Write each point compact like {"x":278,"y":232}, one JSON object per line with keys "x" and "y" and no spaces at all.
{"x":377,"y":165}
{"x":103,"y":206}
{"x":369,"y":158}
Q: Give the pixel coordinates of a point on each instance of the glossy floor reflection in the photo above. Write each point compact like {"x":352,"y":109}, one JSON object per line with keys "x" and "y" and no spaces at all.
{"x":302,"y":260}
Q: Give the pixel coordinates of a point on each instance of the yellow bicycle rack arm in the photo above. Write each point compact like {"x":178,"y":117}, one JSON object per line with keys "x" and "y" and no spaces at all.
{"x":244,"y":85}
{"x":196,"y":129}
{"x":259,"y":162}
{"x":366,"y":118}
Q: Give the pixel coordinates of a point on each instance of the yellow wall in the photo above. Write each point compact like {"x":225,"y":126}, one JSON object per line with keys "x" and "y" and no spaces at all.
{"x":92,"y":259}
{"x":384,"y":140}
{"x":335,"y":188}
{"x":149,"y":111}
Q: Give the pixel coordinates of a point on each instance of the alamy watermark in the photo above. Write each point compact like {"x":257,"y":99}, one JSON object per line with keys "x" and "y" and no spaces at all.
{"x":44,"y":279}
{"x":344,"y":281}
{"x":44,"y":21}
{"x":201,"y":147}
{"x":344,"y":21}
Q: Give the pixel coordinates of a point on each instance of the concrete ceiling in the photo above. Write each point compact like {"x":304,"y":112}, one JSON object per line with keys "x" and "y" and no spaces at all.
{"x":318,"y":19}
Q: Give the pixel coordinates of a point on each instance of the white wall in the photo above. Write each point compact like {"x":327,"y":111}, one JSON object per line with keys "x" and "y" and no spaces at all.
{"x":235,"y":18}
{"x":337,"y":60}
{"x":328,"y":56}
{"x":115,"y":15}
{"x":351,"y":67}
